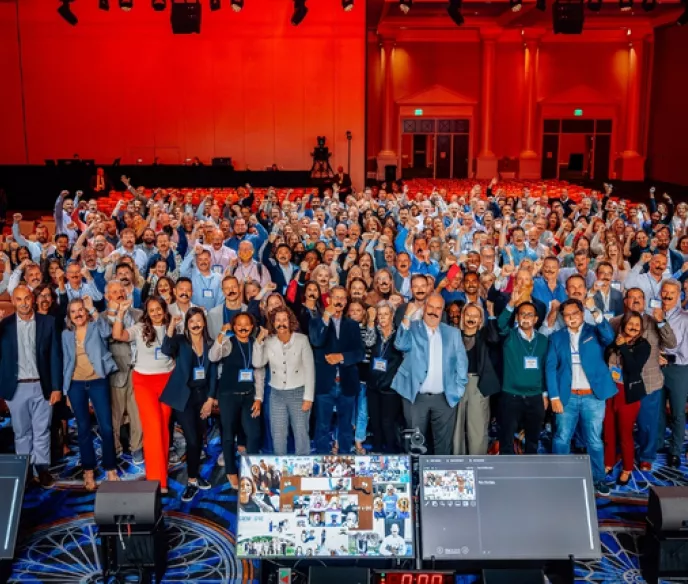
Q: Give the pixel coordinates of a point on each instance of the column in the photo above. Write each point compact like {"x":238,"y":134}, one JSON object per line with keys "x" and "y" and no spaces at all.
{"x":387,"y":155}
{"x":530,"y":166}
{"x":486,"y":167}
{"x":632,"y":163}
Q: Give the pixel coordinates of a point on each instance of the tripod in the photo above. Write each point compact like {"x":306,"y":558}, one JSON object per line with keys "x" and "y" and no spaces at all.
{"x":415,"y":446}
{"x":321,"y":165}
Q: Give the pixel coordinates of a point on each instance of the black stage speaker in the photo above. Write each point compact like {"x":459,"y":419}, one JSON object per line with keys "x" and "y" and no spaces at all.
{"x":186,"y":17}
{"x":131,"y":502}
{"x":665,"y":548}
{"x":390,"y":174}
{"x":338,"y":575}
{"x":568,"y":16}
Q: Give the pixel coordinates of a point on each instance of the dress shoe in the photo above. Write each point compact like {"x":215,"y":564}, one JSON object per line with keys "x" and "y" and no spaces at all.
{"x":621,"y":482}
{"x":645,"y":466}
{"x":45,"y":479}
{"x":674,"y":461}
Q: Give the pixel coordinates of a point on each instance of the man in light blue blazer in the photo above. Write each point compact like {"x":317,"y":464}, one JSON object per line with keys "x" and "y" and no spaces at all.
{"x":433,"y":376}
{"x":579,"y":382}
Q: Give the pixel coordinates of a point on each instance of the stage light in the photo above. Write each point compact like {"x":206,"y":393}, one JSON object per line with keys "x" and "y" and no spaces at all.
{"x":595,"y":5}
{"x":66,"y":12}
{"x":454,"y":11}
{"x":516,"y":5}
{"x":237,"y":5}
{"x":626,"y":5}
{"x":683,"y":19}
{"x":300,"y":11}
{"x":215,"y":5}
{"x":405,"y":5}
{"x":126,"y":5}
{"x":159,"y":5}
{"x":348,"y":5}
{"x":541,"y":5}
{"x":104,"y":4}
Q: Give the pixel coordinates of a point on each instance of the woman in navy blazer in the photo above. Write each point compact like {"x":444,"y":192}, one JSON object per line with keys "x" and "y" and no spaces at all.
{"x":191,"y":388}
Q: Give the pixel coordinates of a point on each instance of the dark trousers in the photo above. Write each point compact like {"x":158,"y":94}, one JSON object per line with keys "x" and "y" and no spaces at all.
{"x":676,"y":391}
{"x":384,"y":411}
{"x":98,"y":392}
{"x":192,"y":426}
{"x":432,"y":410}
{"x":235,"y":413}
{"x":517,"y":411}
{"x":324,"y":406}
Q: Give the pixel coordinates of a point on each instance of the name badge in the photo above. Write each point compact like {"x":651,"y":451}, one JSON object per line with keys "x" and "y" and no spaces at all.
{"x":379,"y":364}
{"x":245,"y":375}
{"x":199,"y":373}
{"x":159,"y":355}
{"x":207,"y":293}
{"x":218,"y":269}
{"x":531,"y":363}
{"x":616,"y":285}
{"x":617,"y":375}
{"x":608,"y":315}
{"x":575,"y":358}
{"x":655,"y":303}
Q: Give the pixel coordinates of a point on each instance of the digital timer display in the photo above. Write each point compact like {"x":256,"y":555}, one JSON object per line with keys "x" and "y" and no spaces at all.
{"x":405,"y":577}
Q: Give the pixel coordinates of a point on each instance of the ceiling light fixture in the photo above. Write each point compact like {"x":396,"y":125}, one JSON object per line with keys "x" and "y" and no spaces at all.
{"x":348,"y":5}
{"x":405,"y":5}
{"x":237,"y":5}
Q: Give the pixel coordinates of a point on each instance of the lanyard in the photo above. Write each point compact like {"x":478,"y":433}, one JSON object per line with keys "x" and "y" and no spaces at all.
{"x":384,"y":345}
{"x":199,"y":358}
{"x":247,"y":362}
{"x":205,"y":280}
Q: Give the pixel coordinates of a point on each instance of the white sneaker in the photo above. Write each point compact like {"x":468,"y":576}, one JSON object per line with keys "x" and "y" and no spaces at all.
{"x":221,"y":459}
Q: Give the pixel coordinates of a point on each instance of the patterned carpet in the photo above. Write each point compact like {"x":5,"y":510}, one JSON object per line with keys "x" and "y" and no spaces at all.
{"x":57,"y":542}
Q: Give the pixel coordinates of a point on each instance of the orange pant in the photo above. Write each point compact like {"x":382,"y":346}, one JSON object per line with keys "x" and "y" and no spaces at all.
{"x":155,"y":419}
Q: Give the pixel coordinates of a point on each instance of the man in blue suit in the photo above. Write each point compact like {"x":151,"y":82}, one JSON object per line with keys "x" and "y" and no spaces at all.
{"x":30,"y":378}
{"x":337,"y":350}
{"x":433,"y":376}
{"x":579,"y":382}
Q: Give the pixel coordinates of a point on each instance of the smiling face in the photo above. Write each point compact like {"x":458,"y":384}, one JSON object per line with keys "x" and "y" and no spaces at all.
{"x":77,"y":313}
{"x":156,"y":313}
{"x":243,"y":326}
{"x":433,"y":311}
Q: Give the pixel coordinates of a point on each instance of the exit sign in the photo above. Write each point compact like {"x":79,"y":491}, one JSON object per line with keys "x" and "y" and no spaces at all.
{"x":418,"y":112}
{"x":578,"y":112}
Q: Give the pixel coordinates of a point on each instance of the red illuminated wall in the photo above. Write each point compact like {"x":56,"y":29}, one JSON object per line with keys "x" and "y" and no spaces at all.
{"x":668,"y":143}
{"x":592,"y":70}
{"x":250,"y":86}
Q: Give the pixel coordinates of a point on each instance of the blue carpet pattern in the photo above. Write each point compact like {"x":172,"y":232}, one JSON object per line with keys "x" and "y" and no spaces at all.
{"x":58,"y":543}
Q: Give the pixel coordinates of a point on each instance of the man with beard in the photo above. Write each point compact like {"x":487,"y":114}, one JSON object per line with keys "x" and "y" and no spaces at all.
{"x":471,"y":290}
{"x":183,"y":292}
{"x":240,"y":235}
{"x":27,"y":271}
{"x":164,"y":252}
{"x":30,"y":379}
{"x":674,"y":258}
{"x":650,"y":282}
{"x":147,"y":244}
{"x":338,"y":349}
{"x":61,"y":251}
{"x":419,"y":293}
{"x":547,"y":288}
{"x":128,"y":248}
{"x":433,"y":376}
{"x":124,"y":273}
{"x":35,"y":247}
{"x":222,"y":315}
{"x":77,"y":287}
{"x":207,"y":287}
{"x":383,"y":287}
{"x":523,"y":282}
{"x":248,"y":268}
{"x":121,"y":389}
{"x":220,"y":255}
{"x":422,"y":263}
{"x":282,"y":270}
{"x":47,"y":303}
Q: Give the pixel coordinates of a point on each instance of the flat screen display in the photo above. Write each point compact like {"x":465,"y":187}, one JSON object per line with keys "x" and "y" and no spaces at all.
{"x":13,"y":471}
{"x":508,"y":508}
{"x":325,"y":506}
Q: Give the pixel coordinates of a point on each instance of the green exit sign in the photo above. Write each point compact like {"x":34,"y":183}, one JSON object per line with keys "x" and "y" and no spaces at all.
{"x":578,"y":112}
{"x":418,"y":112}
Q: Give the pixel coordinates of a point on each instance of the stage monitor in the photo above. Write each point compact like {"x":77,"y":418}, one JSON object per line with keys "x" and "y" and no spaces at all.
{"x":325,"y":507}
{"x":508,"y":508}
{"x":13,"y":470}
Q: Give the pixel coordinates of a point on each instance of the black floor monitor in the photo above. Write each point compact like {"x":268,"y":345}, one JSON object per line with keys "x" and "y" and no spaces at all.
{"x":508,"y":508}
{"x":13,"y":471}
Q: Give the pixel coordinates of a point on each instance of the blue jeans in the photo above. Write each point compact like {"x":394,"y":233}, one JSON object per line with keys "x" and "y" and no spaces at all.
{"x":324,"y":405}
{"x":359,"y":418}
{"x":98,"y":392}
{"x":590,"y":412}
{"x":647,"y":426}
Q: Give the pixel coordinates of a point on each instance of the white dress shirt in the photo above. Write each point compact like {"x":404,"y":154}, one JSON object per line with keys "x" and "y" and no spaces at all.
{"x":578,"y":378}
{"x":26,"y":343}
{"x":433,"y":381}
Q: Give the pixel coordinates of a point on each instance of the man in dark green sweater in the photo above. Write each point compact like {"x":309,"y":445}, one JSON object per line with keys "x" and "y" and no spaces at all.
{"x":524,"y":398}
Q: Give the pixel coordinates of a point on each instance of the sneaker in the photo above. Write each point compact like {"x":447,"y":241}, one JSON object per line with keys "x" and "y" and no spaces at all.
{"x":602,"y":490}
{"x":203,"y":484}
{"x":174,"y":457}
{"x":137,"y":456}
{"x":190,"y":492}
{"x":221,"y":459}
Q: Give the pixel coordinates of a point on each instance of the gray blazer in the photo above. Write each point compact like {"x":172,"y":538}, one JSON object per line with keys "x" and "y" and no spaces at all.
{"x":96,"y":348}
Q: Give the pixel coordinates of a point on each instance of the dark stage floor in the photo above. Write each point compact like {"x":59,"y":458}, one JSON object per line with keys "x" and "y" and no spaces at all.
{"x":58,"y":544}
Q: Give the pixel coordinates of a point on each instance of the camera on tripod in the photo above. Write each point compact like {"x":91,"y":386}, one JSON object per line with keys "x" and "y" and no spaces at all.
{"x":415,"y":441}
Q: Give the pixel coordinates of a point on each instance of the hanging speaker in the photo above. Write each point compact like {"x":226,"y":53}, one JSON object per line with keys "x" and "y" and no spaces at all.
{"x":186,"y":17}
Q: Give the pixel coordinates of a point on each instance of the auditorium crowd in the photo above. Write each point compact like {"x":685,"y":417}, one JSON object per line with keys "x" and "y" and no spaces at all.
{"x":447,"y":312}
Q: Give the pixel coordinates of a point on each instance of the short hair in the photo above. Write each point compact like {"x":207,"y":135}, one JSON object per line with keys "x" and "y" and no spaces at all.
{"x":570,"y":302}
{"x":581,"y":252}
{"x":527,"y":303}
{"x":671,"y":282}
{"x":418,"y":277}
{"x":61,"y":236}
{"x":124,"y":265}
{"x":183,"y":279}
{"x":635,"y":289}
{"x":229,"y":277}
{"x":573,"y":277}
